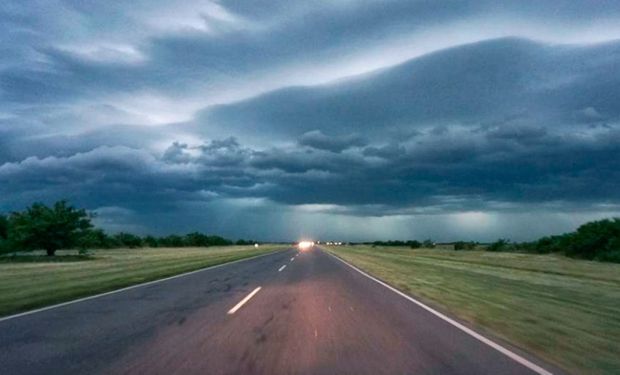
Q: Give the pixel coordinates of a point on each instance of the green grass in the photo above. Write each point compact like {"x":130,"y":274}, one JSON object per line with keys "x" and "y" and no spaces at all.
{"x":564,"y":310}
{"x":33,"y":280}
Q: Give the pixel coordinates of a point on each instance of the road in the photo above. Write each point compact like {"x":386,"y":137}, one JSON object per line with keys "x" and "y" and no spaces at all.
{"x":286,"y":313}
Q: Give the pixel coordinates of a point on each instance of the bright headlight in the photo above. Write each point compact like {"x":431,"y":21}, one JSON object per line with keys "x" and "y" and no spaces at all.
{"x":304,"y":245}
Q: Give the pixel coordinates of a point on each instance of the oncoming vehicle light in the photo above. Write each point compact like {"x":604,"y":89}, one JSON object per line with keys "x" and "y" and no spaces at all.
{"x":305,"y":245}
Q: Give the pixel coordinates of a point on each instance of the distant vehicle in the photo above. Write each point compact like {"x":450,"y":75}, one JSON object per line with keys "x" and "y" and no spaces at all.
{"x":305,"y":245}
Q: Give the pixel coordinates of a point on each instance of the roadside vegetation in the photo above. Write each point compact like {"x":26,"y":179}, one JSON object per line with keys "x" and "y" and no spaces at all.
{"x":36,"y":280}
{"x":51,"y":254}
{"x":596,"y":240}
{"x":62,"y":226}
{"x":565,"y":310}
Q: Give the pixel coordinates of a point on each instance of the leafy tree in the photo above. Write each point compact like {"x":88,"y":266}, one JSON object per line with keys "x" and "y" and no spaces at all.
{"x":47,"y":228}
{"x":4,"y":227}
{"x":218,"y":241}
{"x":94,"y":239}
{"x":499,"y":245}
{"x":414,"y":244}
{"x":196,"y":239}
{"x":428,"y":244}
{"x":171,"y":241}
{"x":128,"y":240}
{"x":151,"y":241}
{"x":594,"y":238}
{"x":464,"y":245}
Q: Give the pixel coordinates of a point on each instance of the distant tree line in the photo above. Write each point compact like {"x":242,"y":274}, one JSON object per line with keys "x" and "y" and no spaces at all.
{"x":596,"y":240}
{"x":62,"y":226}
{"x":414,"y":244}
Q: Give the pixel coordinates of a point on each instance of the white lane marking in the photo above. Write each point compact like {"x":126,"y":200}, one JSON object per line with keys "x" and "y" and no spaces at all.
{"x":133,"y":286}
{"x":243,"y":301}
{"x":329,"y":308}
{"x":292,"y":259}
{"x":514,"y":356}
{"x":316,"y":333}
{"x":281,"y":268}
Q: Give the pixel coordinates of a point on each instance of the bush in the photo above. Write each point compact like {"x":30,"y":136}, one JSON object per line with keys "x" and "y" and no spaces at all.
{"x":609,"y":256}
{"x":593,"y":239}
{"x":464,"y":245}
{"x":128,"y":240}
{"x":499,"y":245}
{"x":428,"y":244}
{"x":245,"y":242}
{"x":93,"y":239}
{"x":414,"y":244}
{"x":150,"y":241}
{"x":171,"y":241}
{"x":4,"y":227}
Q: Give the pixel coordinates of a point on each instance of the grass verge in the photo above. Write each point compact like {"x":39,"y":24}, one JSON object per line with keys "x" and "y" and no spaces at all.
{"x":32,"y":281}
{"x":564,"y":310}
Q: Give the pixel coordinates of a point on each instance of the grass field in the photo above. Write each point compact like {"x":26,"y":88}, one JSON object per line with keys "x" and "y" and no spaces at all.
{"x":566,"y":311}
{"x":31,"y":281}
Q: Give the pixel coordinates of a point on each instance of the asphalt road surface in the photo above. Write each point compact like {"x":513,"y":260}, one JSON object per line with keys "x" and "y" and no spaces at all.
{"x":284,"y":313}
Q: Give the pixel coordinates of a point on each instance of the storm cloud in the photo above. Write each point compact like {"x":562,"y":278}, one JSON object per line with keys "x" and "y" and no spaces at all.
{"x":357,"y":120}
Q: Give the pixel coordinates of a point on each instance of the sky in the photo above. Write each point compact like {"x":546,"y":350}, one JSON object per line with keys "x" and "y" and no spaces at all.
{"x":343,"y":120}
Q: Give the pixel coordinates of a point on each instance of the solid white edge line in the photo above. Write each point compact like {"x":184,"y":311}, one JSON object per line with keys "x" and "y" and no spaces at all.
{"x":281,"y":268}
{"x":517,"y":358}
{"x":131,"y":287}
{"x":243,"y":301}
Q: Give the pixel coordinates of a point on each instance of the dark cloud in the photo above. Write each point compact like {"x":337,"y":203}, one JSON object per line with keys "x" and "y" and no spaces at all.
{"x":469,"y":85}
{"x":316,"y":139}
{"x":260,"y":118}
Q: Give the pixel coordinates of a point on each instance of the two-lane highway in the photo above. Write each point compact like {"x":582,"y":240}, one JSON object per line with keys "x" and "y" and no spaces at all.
{"x":286,"y":313}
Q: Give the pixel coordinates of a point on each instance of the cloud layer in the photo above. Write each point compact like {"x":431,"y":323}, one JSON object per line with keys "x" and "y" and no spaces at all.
{"x":357,"y":119}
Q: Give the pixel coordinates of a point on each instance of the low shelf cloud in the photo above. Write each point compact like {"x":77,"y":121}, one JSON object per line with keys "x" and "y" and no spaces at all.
{"x":364,"y":119}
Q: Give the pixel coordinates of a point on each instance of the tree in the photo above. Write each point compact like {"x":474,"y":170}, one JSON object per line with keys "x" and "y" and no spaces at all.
{"x":464,"y":245}
{"x":593,"y":239}
{"x":499,"y":245}
{"x":150,"y":241}
{"x":171,"y":241}
{"x":428,"y":244}
{"x":48,"y":228}
{"x":128,"y":240}
{"x":4,"y":227}
{"x":414,"y":244}
{"x":93,"y":239}
{"x":196,"y":239}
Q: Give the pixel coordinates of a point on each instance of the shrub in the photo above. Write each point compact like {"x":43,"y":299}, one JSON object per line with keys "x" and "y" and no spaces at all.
{"x":150,"y":241}
{"x":428,"y":244}
{"x":414,"y":244}
{"x":128,"y":240}
{"x":594,"y":238}
{"x":464,"y":245}
{"x":4,"y":227}
{"x":499,"y":245}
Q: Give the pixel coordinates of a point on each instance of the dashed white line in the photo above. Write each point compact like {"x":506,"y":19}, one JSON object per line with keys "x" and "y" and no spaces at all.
{"x":292,"y":259}
{"x":243,"y":301}
{"x":281,"y":268}
{"x":132,"y":287}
